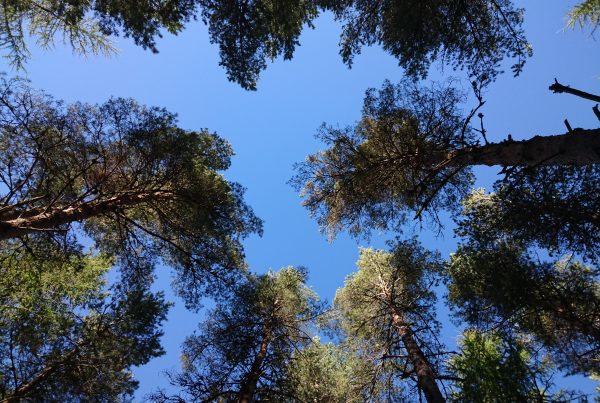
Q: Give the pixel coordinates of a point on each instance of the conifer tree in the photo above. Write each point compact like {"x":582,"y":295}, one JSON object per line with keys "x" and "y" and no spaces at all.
{"x":503,"y":287}
{"x":493,"y":368}
{"x":249,"y":33}
{"x":126,"y":176}
{"x":410,"y":155}
{"x":242,"y":350}
{"x":386,"y":310}
{"x":326,"y":372}
{"x":65,"y":335}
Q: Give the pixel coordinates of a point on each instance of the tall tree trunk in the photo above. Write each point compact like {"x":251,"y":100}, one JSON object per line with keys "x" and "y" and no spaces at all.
{"x":579,"y":147}
{"x":250,"y":382}
{"x":41,"y":219}
{"x":425,"y":375}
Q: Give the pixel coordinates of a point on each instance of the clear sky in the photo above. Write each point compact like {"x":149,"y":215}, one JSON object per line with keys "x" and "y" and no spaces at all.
{"x":274,"y":127}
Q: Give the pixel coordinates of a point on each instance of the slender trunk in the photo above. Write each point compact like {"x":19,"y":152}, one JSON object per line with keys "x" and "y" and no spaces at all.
{"x":579,"y":147}
{"x":41,"y":219}
{"x":425,"y":375}
{"x":248,"y":387}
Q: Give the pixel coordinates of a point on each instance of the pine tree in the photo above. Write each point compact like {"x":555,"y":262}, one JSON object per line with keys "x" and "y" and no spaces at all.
{"x":137,"y":184}
{"x":558,"y":303}
{"x":386,"y":310}
{"x":65,"y":335}
{"x":410,"y":155}
{"x":242,"y":350}
{"x":493,"y":368}
{"x":326,"y":372}
{"x":249,"y":33}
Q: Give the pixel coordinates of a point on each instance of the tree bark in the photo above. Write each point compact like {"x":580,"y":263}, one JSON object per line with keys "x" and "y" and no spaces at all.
{"x":425,"y":375}
{"x":248,"y":387}
{"x":41,"y":219}
{"x":579,"y":147}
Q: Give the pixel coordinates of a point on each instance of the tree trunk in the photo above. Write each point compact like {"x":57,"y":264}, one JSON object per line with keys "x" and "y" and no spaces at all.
{"x":425,"y":375}
{"x":22,"y":390}
{"x":42,"y":219}
{"x":250,"y":382}
{"x":579,"y":147}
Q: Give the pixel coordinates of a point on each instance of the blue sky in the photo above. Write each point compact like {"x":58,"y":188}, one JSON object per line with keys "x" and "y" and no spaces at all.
{"x":274,"y":127}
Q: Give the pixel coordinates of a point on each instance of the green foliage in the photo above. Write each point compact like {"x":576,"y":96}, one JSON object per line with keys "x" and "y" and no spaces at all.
{"x":143,"y":188}
{"x":585,"y":13}
{"x":87,"y":25}
{"x":415,"y":32}
{"x":63,"y":335}
{"x":397,"y":282}
{"x":44,"y":20}
{"x":325,"y":373}
{"x":387,"y":165}
{"x":502,"y":287}
{"x":491,"y":368}
{"x":275,"y":311}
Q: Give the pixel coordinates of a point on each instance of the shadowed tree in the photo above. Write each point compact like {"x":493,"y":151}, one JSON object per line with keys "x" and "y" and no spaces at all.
{"x":501,"y":287}
{"x":476,"y":35}
{"x":554,"y":208}
{"x":411,"y":152}
{"x":249,"y":33}
{"x":492,"y":368}
{"x":386,"y":312}
{"x":141,"y":187}
{"x":64,"y":336}
{"x":243,"y":348}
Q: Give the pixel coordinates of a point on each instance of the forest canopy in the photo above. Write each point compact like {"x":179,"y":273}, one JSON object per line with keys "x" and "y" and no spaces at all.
{"x":101,"y":202}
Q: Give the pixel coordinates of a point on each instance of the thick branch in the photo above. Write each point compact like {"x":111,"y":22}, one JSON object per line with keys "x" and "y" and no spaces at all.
{"x":43,"y":220}
{"x":580,"y":147}
{"x":559,"y":88}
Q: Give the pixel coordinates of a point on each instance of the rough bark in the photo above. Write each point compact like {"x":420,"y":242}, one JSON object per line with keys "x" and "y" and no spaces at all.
{"x":425,"y":375}
{"x":248,"y":387}
{"x":579,"y":147}
{"x":42,"y":219}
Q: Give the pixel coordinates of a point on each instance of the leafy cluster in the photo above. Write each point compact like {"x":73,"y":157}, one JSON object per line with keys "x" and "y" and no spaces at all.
{"x":555,"y":208}
{"x":492,"y":368}
{"x":585,"y":13}
{"x":502,"y":287}
{"x":249,"y":33}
